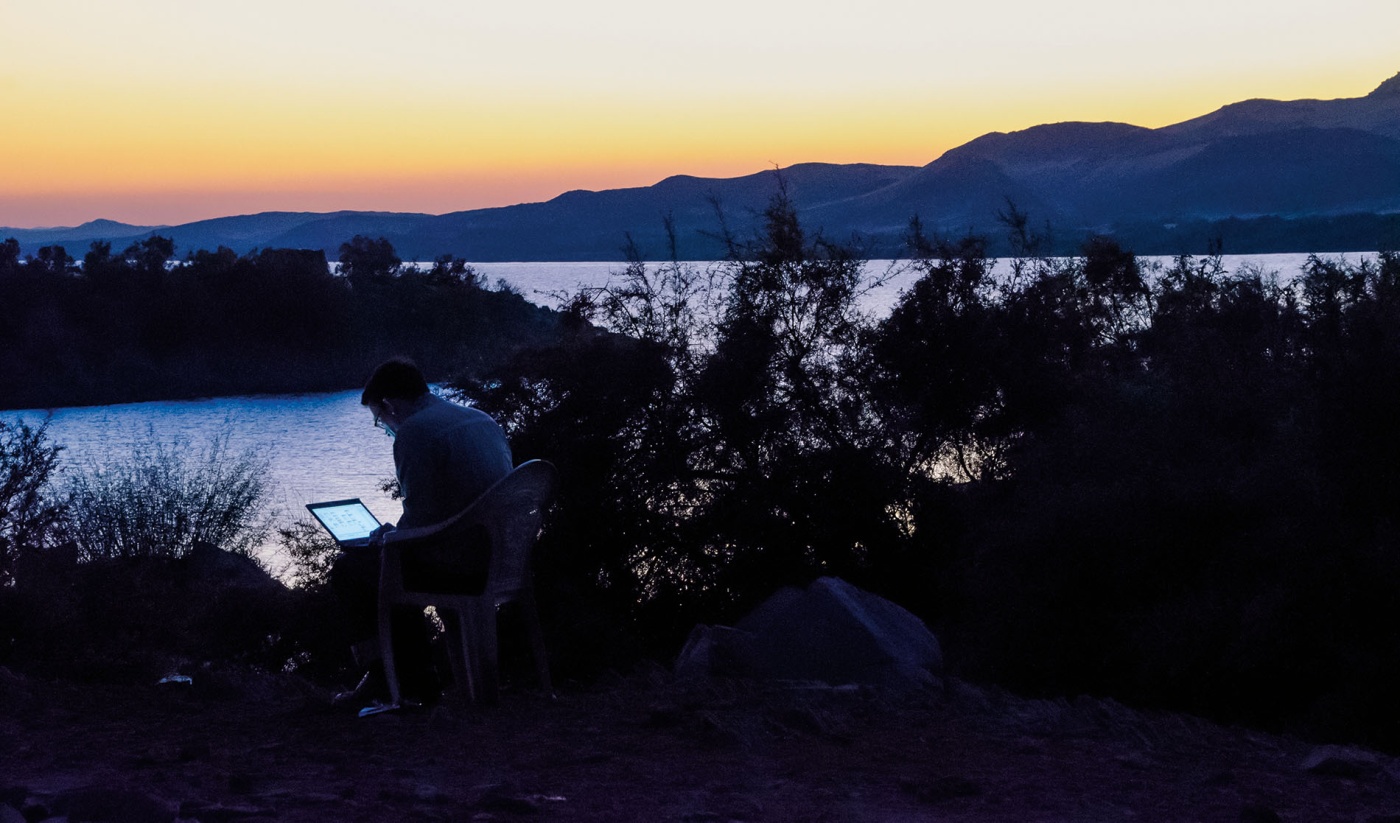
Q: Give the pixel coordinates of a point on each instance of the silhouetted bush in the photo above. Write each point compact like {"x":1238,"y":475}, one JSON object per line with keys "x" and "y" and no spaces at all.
{"x":712,"y":436}
{"x":153,"y":571}
{"x":31,"y":509}
{"x":137,"y":325}
{"x":1197,"y":513}
{"x":164,"y":498}
{"x":310,"y":552}
{"x":1172,"y":485}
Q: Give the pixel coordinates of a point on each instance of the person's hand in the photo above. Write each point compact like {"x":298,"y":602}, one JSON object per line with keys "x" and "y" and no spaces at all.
{"x":376,"y":537}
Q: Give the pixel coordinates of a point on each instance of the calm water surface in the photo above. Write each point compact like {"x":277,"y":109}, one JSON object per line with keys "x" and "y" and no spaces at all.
{"x":549,"y":283}
{"x":319,"y":446}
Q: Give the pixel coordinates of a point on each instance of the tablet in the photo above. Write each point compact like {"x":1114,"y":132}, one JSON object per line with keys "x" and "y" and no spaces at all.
{"x":348,"y":521}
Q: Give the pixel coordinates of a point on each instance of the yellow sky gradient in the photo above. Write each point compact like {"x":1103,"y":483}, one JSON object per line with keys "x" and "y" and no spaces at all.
{"x":167,"y":111}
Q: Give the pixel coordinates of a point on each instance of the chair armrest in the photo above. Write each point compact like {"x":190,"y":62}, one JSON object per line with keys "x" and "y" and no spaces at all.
{"x":398,"y":536}
{"x":432,"y":530}
{"x":401,"y":544}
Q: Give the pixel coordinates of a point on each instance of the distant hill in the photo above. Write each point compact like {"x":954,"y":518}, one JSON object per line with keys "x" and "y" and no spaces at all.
{"x":87,"y":232}
{"x":1328,"y":169}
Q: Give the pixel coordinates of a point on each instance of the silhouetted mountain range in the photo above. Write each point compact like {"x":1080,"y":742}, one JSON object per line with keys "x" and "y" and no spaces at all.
{"x":1261,"y":175}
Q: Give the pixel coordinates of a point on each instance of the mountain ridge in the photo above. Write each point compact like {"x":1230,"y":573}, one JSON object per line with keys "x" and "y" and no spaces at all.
{"x":1301,"y":160}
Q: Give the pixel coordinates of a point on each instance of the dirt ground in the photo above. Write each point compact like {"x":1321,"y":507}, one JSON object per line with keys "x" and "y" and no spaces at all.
{"x":646,"y":748}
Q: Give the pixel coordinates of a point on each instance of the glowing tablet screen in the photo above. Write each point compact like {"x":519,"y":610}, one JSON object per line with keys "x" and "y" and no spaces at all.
{"x":346,"y":520}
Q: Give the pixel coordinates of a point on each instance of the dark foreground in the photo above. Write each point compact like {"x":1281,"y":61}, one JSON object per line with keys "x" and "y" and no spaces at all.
{"x":644,"y":748}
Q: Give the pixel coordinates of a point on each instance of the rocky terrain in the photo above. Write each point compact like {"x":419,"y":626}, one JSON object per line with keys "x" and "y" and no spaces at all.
{"x":248,"y":747}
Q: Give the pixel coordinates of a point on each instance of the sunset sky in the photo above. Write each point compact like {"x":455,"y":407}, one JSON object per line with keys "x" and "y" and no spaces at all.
{"x":167,"y":111}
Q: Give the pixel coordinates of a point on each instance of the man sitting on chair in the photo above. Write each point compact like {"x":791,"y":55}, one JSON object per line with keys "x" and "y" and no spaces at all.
{"x":445,"y":456}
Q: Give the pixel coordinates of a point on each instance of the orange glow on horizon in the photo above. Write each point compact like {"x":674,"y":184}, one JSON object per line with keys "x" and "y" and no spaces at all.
{"x":163,"y":113}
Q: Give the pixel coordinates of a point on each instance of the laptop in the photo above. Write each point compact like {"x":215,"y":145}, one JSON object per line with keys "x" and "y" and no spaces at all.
{"x":348,"y":521}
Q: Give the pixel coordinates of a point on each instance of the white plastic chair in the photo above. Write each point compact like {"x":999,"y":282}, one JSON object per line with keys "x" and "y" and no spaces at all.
{"x":506,"y":521}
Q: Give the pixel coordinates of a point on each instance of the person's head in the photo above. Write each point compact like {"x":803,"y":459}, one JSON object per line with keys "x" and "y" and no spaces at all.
{"x":393,"y":391}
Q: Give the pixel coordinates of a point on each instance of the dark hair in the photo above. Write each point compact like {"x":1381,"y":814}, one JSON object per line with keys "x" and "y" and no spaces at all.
{"x":398,"y":378}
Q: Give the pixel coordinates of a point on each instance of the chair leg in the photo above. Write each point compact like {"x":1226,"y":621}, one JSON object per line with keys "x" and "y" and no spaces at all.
{"x":386,"y":650}
{"x":485,"y":665}
{"x":531,"y":616}
{"x":460,"y":651}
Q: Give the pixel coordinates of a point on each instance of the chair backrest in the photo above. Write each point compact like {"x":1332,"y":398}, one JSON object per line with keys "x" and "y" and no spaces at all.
{"x":512,"y":513}
{"x":506,"y":518}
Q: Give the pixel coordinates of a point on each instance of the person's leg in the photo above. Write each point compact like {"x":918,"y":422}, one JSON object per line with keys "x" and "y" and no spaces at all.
{"x":413,"y":656}
{"x":355,"y":581}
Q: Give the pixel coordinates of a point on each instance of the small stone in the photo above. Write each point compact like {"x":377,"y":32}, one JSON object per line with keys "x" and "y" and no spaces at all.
{"x":107,"y":805}
{"x":1341,"y":761}
{"x":1140,"y":761}
{"x":968,"y":697}
{"x":34,"y":810}
{"x":240,"y":783}
{"x":1258,"y":814}
{"x":1225,"y":777}
{"x":428,"y":793}
{"x":941,"y":789}
{"x":219,"y":813}
{"x":743,"y":808}
{"x":720,"y":733}
{"x":1028,"y":746}
{"x":664,"y":717}
{"x":503,"y":798}
{"x":802,"y":719}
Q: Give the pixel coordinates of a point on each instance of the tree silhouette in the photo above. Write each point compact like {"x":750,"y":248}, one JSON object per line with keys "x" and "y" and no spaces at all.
{"x":365,"y":260}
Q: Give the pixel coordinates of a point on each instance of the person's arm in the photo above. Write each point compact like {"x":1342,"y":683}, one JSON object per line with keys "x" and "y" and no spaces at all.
{"x":415,"y":463}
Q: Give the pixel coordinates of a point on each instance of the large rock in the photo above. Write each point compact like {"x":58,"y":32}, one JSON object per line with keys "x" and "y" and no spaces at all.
{"x":140,"y":618}
{"x":210,"y":567}
{"x":831,"y":632}
{"x":113,"y":804}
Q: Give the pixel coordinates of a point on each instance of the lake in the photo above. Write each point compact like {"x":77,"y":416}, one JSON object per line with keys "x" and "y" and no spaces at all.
{"x":319,"y":446}
{"x":548,"y":283}
{"x":324,"y":446}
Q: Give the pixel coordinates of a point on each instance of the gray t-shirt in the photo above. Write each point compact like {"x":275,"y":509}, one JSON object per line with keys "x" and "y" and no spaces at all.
{"x":445,"y":456}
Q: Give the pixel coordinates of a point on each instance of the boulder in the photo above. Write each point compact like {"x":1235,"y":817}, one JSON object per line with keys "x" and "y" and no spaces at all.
{"x":718,"y":651}
{"x":110,"y":804}
{"x":231,"y":605}
{"x":139,"y":618}
{"x":831,"y":632}
{"x":213,"y":568}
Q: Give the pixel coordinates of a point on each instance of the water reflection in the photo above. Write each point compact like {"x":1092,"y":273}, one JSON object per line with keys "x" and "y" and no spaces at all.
{"x":319,"y":446}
